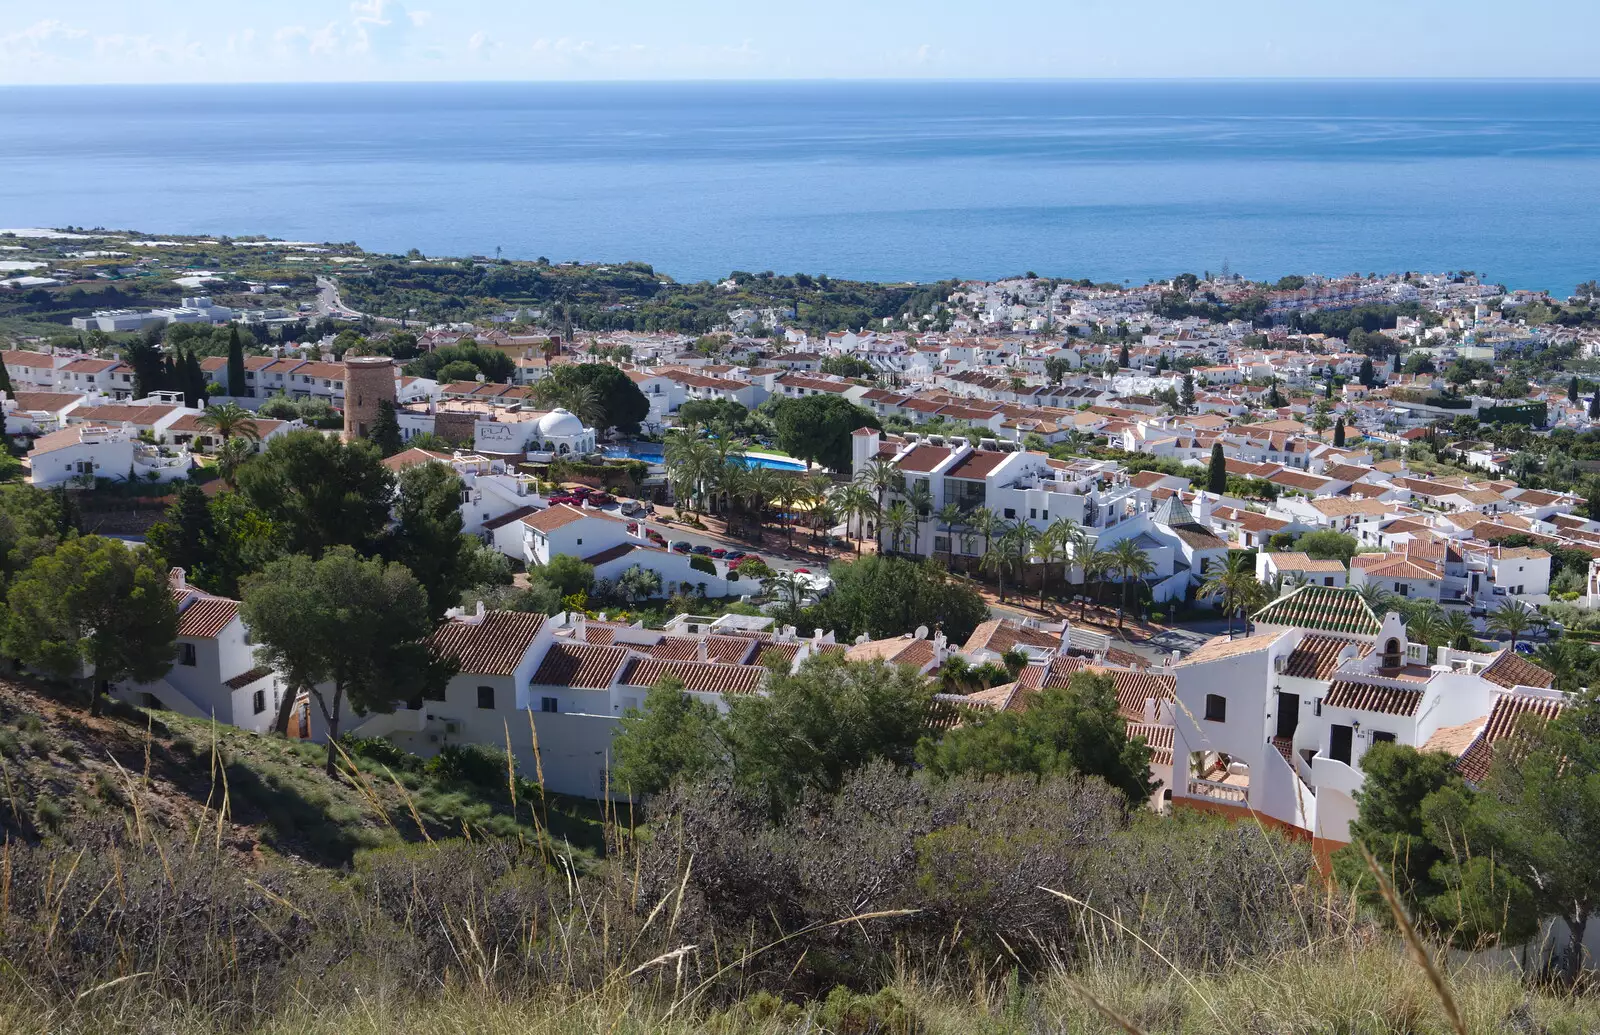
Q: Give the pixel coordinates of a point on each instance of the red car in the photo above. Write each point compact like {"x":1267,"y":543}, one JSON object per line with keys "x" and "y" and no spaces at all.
{"x":802,"y":571}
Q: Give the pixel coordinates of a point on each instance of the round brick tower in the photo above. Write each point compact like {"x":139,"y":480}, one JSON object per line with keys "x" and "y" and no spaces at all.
{"x":368,"y":381}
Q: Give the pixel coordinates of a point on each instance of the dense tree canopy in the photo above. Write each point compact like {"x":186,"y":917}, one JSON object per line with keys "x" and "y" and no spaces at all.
{"x":889,"y":596}
{"x":319,"y":492}
{"x":818,"y":427}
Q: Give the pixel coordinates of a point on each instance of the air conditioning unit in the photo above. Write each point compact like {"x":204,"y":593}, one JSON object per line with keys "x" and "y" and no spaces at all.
{"x":433,"y":738}
{"x":452,"y":727}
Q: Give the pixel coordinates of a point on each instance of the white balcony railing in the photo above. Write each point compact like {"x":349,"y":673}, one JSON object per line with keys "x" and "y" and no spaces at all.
{"x":1218,"y":791}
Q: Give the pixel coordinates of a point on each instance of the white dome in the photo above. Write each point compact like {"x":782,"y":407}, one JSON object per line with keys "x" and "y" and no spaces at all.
{"x":559,"y":423}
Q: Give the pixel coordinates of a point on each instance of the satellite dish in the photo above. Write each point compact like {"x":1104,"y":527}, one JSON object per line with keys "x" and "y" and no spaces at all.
{"x":922,"y":632}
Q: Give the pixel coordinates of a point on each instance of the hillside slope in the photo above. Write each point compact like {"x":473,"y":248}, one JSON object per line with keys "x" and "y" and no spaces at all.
{"x":251,"y":794}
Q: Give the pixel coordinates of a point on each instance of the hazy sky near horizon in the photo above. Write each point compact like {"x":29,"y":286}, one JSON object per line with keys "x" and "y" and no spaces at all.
{"x":183,"y":41}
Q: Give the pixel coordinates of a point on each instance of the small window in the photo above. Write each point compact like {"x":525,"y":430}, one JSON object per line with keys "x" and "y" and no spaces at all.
{"x":1010,"y":514}
{"x":1033,"y":513}
{"x":258,"y":701}
{"x":549,"y":704}
{"x":1216,"y":708}
{"x":1382,"y":737}
{"x":186,"y":654}
{"x":486,"y":697}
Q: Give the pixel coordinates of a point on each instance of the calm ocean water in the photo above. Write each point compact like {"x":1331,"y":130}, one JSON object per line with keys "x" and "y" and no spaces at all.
{"x":877,"y":180}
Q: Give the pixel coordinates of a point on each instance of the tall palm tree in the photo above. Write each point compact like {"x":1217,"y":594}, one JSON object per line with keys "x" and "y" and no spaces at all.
{"x":1457,"y":629}
{"x":896,"y":519}
{"x":1069,"y":541}
{"x":920,"y":499}
{"x":986,"y":523}
{"x":949,"y":516}
{"x":855,"y":502}
{"x":1235,"y":585}
{"x":878,"y":476}
{"x":230,"y":420}
{"x":1512,"y":619}
{"x":1018,"y":545}
{"x":1131,"y":563}
{"x":690,"y":463}
{"x":1097,"y":565}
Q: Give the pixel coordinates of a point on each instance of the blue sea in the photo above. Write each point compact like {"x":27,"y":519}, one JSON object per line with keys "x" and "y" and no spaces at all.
{"x":887,"y":181}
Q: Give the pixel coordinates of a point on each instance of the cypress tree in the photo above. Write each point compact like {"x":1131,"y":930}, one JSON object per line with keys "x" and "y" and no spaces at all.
{"x":385,"y":432}
{"x":236,"y":385}
{"x":1217,"y":472}
{"x":1572,"y":390}
{"x":1327,"y":389}
{"x":1122,"y":359}
{"x":5,"y":381}
{"x":194,"y":381}
{"x":1594,"y":405}
{"x":1367,"y":375}
{"x":1338,"y":432}
{"x":1187,"y":396}
{"x":1396,"y":367}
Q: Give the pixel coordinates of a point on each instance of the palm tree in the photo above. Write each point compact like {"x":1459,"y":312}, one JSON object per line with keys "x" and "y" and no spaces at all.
{"x":1067,"y":540}
{"x":789,"y":590}
{"x":920,"y":499}
{"x":1130,"y":562}
{"x":582,"y":401}
{"x":987,"y":524}
{"x":1457,"y":630}
{"x":878,"y":477}
{"x":228,"y":420}
{"x":1562,"y":658}
{"x":1425,"y":623}
{"x":232,"y":456}
{"x":896,"y":519}
{"x":855,"y":502}
{"x":1375,"y":595}
{"x":690,"y":462}
{"x":1097,"y":564}
{"x":1235,"y":584}
{"x":949,"y":516}
{"x":1512,"y":619}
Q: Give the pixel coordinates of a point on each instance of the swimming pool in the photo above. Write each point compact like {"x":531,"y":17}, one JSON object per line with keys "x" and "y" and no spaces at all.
{"x":777,"y":463}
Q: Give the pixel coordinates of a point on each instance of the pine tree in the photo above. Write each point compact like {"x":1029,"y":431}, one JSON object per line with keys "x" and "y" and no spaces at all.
{"x":236,"y":381}
{"x":385,"y":432}
{"x":1217,"y":472}
{"x":1187,"y":396}
{"x":1338,"y":432}
{"x":1367,"y":375}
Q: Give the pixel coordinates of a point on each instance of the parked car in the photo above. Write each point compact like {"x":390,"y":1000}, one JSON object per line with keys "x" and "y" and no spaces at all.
{"x":601,"y":499}
{"x":1524,"y":647}
{"x":631,"y":508}
{"x":680,"y":547}
{"x":702,"y":549}
{"x":734,"y":555}
{"x":802,"y":571}
{"x":719,"y":553}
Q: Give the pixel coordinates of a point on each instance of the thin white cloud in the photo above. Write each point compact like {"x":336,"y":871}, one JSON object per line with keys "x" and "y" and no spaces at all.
{"x":44,"y":41}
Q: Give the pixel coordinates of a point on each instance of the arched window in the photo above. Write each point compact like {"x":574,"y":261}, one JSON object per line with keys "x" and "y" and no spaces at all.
{"x":564,"y":450}
{"x":1391,"y":653}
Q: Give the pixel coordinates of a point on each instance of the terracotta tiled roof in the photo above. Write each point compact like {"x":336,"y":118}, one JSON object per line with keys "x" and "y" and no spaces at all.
{"x":1001,"y":634}
{"x":901,"y":650}
{"x":922,"y":459}
{"x":1503,"y":721}
{"x":582,"y":666}
{"x":244,"y":679}
{"x":976,"y":464}
{"x":1324,"y":608}
{"x":1158,"y":738}
{"x":205,"y":616}
{"x":1316,"y":656}
{"x":1511,"y":669}
{"x":1364,"y":697}
{"x":1294,"y":561}
{"x":777,"y":654}
{"x":706,"y":677}
{"x":1219,"y":647}
{"x":493,"y":647}
{"x":552,"y":518}
{"x":411,"y":458}
{"x":599,"y":635}
{"x":1133,"y":688}
{"x":730,"y":650}
{"x":675,"y":648}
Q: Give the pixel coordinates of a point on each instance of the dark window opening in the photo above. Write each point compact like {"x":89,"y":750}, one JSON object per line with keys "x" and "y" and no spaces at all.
{"x":1216,"y":708}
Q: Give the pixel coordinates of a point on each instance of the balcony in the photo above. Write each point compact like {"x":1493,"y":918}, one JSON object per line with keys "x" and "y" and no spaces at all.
{"x":1216,"y":790}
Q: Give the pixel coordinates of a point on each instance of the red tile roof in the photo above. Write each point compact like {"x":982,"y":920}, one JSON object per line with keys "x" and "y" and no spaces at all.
{"x":1511,"y":669}
{"x":923,"y":459}
{"x":704,"y":677}
{"x":1316,"y":657}
{"x":1504,"y":720}
{"x":582,"y":666}
{"x":203,"y":616}
{"x":1365,"y":697}
{"x":493,"y":647}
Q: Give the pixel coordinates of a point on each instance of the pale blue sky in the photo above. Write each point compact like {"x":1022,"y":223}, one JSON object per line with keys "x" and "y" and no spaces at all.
{"x":119,"y":41}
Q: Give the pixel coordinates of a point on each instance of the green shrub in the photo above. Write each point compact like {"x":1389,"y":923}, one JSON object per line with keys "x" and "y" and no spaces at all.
{"x":470,"y":763}
{"x":705,"y":564}
{"x":40,"y":744}
{"x":48,"y":813}
{"x":381,"y":750}
{"x":10,"y":746}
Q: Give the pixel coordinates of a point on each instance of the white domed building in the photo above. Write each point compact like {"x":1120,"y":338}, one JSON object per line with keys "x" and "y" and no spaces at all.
{"x":561,"y":433}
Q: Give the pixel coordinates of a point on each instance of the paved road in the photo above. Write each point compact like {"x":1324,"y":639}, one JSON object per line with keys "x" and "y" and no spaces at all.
{"x":330,"y":303}
{"x":798,"y":558}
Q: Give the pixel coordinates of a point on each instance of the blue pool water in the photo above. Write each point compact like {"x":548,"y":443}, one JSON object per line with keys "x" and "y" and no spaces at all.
{"x":775,"y":463}
{"x":884,"y":180}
